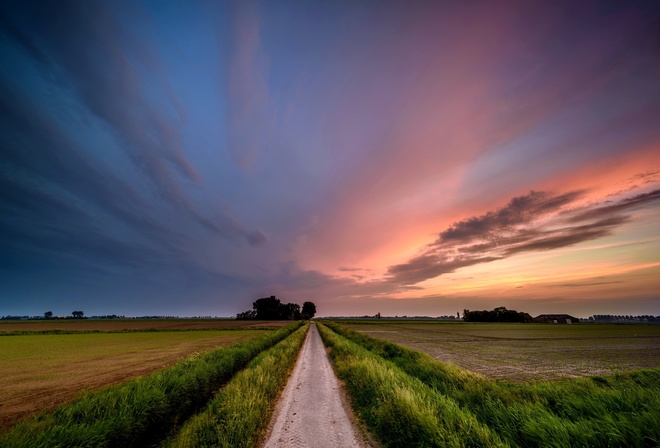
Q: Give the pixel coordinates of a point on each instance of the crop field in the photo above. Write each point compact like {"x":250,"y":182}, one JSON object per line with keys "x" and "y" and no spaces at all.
{"x":520,"y":352}
{"x":131,"y":324}
{"x":149,"y":410}
{"x":407,"y":398}
{"x":42,"y":371}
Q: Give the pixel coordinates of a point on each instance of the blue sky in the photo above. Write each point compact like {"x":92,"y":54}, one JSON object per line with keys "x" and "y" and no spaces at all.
{"x":404,"y":158}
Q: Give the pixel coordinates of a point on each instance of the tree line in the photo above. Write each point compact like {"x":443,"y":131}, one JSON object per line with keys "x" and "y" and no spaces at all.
{"x":271,"y":308}
{"x":499,"y":314}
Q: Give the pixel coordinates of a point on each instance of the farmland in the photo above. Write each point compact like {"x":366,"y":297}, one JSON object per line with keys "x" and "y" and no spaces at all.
{"x":521,"y":352}
{"x":407,"y":398}
{"x":143,"y":411}
{"x":217,"y":387}
{"x":42,"y":371}
{"x":69,"y":325}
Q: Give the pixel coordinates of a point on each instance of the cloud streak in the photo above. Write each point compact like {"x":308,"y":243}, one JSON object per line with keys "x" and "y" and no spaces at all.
{"x":109,"y":70}
{"x":538,"y":221}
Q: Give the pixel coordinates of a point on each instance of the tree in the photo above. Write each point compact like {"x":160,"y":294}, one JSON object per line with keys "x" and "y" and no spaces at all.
{"x":268,"y":308}
{"x":308,"y":310}
{"x":77,"y":314}
{"x":290,"y":311}
{"x":499,"y":314}
{"x":247,"y":315}
{"x":48,"y":315}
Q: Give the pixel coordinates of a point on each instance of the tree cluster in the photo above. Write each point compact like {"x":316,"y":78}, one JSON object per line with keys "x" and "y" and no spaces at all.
{"x":499,"y":314}
{"x":271,"y":308}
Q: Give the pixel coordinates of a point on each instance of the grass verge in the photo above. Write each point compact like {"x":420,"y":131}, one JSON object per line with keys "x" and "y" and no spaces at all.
{"x":240,"y":412}
{"x":620,"y":410}
{"x":399,"y":409}
{"x":141,"y":411}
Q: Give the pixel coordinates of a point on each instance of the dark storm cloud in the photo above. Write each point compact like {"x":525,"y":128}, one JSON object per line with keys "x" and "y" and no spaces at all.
{"x":637,"y":201}
{"x":109,"y":69}
{"x":569,"y":236}
{"x":538,"y":221}
{"x":425,"y":267}
{"x":36,"y":149}
{"x":519,"y":211}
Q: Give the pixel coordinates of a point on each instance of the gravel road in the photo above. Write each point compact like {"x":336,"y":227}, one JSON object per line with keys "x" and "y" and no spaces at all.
{"x":312,"y":411}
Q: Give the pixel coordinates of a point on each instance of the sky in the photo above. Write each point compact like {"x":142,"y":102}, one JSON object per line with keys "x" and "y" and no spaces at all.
{"x":409,"y":158}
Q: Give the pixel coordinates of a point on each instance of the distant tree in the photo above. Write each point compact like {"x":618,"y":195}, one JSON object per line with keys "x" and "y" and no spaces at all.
{"x":247,"y":315}
{"x":48,"y":315}
{"x":290,"y":311}
{"x":77,"y":314}
{"x":271,"y":308}
{"x":499,"y":314}
{"x":308,"y":310}
{"x":268,"y":308}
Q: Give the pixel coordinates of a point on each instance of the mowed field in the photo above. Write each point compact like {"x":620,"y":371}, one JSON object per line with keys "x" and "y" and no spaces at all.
{"x":132,"y":324}
{"x":520,"y":352}
{"x":42,"y":371}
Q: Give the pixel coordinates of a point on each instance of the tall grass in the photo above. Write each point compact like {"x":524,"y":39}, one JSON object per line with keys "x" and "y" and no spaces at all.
{"x":401,"y":410}
{"x":620,"y":410}
{"x":239,"y":413}
{"x":143,"y":410}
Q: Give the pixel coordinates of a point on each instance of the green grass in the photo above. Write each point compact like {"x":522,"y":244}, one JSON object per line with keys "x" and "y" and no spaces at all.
{"x":143,"y":410}
{"x":239,"y":413}
{"x":399,"y":409}
{"x":618,"y":410}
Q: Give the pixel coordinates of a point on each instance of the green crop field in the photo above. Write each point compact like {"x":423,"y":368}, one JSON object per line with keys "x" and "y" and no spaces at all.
{"x":526,"y":351}
{"x":42,"y":371}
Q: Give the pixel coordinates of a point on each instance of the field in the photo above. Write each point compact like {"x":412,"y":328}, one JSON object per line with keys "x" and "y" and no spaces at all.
{"x":147,"y":410}
{"x":42,"y":371}
{"x":147,"y":383}
{"x":407,"y":398}
{"x":521,"y":352}
{"x":132,"y":324}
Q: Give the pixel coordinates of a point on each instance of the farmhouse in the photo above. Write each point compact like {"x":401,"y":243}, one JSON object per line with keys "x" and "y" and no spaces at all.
{"x":556,"y":319}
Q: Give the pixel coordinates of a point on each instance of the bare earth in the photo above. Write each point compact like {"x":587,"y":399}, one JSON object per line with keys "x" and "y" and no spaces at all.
{"x":312,"y":411}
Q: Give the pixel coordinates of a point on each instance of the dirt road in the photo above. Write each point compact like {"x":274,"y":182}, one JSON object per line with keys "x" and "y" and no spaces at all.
{"x":312,"y":411}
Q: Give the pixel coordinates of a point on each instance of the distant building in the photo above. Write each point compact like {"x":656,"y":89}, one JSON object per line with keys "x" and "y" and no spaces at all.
{"x":556,"y":319}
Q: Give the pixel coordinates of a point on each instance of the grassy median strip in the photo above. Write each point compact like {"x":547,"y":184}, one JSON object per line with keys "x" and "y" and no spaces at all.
{"x":401,"y":410}
{"x":240,"y":412}
{"x":142,"y":411}
{"x":620,"y":410}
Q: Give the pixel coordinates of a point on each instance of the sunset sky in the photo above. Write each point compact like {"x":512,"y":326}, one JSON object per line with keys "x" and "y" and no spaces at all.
{"x":406,"y":157}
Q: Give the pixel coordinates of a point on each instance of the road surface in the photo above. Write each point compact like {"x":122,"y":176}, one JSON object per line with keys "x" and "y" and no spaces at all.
{"x":312,"y":411}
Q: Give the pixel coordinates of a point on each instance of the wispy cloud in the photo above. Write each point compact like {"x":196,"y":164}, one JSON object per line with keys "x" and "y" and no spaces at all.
{"x":108,"y":69}
{"x":248,"y":124}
